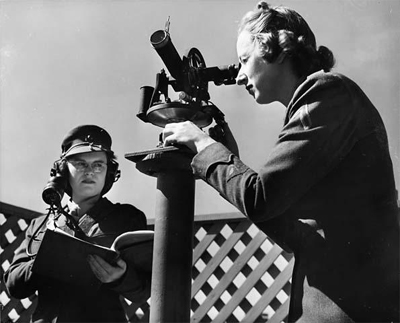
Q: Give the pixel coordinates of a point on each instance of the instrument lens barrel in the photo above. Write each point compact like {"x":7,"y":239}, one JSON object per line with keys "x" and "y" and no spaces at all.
{"x":162,"y":43}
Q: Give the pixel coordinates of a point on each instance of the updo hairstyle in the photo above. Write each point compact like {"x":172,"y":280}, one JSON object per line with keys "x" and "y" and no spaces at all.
{"x":280,"y":29}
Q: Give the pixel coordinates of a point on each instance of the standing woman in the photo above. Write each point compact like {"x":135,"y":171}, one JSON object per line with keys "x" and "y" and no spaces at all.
{"x":326,"y":192}
{"x":89,"y":167}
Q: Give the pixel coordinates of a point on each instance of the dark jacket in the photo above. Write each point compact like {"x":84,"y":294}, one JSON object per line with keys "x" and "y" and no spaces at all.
{"x":327,"y":194}
{"x":59,"y":302}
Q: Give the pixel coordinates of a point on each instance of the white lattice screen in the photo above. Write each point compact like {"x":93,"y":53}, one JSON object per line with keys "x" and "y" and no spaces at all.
{"x":239,"y":274}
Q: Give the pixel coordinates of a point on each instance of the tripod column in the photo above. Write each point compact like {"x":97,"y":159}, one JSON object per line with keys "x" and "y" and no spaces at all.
{"x":173,"y":236}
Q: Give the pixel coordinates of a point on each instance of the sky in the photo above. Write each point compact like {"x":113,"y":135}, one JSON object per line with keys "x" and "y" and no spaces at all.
{"x":67,"y":63}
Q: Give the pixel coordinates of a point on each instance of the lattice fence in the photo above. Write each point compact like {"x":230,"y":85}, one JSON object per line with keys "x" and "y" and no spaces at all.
{"x":239,"y":275}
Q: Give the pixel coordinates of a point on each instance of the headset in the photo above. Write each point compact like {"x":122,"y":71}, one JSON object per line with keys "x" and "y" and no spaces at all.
{"x":58,"y":184}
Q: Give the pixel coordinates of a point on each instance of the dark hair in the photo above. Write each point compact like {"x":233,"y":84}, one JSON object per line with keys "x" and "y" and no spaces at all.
{"x":280,"y":29}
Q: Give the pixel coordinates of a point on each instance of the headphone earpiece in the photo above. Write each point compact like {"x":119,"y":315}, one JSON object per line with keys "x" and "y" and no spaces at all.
{"x":113,"y":174}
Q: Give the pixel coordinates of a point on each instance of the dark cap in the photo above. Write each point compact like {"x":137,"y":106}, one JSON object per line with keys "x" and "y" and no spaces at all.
{"x":86,"y":138}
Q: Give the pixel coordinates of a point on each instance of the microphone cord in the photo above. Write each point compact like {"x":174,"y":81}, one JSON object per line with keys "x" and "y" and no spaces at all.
{"x":33,"y":237}
{"x":71,"y":223}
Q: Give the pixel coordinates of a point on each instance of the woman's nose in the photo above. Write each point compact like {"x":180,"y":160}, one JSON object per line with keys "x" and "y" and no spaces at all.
{"x":241,"y":79}
{"x":89,"y":170}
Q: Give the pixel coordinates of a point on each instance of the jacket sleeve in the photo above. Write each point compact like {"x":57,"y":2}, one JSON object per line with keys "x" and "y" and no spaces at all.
{"x":19,"y":279}
{"x":319,"y":132}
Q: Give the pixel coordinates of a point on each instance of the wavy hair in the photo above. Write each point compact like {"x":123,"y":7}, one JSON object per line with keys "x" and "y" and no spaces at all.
{"x":280,"y":29}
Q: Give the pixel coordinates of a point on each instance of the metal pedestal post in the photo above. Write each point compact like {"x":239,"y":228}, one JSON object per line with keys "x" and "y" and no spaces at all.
{"x":173,"y":236}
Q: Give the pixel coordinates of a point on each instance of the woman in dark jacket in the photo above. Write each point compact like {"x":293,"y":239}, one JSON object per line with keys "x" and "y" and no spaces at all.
{"x":327,"y":190}
{"x":89,"y":167}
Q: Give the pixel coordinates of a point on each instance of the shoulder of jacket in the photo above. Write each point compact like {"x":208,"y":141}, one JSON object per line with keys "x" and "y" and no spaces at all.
{"x":36,"y":222}
{"x":318,"y":86}
{"x":322,"y":82}
{"x":129,"y":208}
{"x":123,"y":208}
{"x":39,"y":219}
{"x":322,"y":79}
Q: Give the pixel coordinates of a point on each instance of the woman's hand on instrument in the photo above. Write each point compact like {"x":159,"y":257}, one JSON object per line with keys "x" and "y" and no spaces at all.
{"x":188,"y":134}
